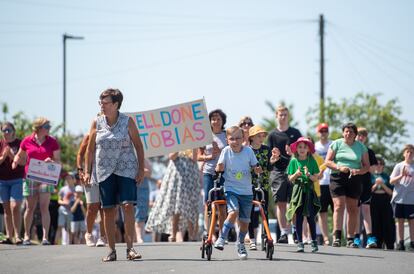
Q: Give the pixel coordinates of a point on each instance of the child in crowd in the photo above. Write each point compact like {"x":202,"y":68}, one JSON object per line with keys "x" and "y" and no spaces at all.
{"x":303,"y":171}
{"x":383,"y":223}
{"x":77,"y":225}
{"x":65,"y":215}
{"x":236,"y":161}
{"x":402,"y":177}
{"x":265,"y":157}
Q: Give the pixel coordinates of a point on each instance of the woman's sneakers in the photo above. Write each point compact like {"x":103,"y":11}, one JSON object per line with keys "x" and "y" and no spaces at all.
{"x":301,"y":247}
{"x":253,"y":245}
{"x":314,"y":246}
{"x":89,"y":239}
{"x":219,"y":243}
{"x":336,"y":243}
{"x":371,"y":242}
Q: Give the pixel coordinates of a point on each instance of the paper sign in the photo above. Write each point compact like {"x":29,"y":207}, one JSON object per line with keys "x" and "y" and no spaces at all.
{"x":174,"y":128}
{"x":44,"y":172}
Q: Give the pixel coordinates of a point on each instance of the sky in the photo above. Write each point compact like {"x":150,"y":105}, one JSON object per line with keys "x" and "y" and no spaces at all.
{"x":236,"y":54}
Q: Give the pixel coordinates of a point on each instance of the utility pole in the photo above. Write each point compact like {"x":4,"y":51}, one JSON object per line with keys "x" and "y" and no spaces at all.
{"x":322,"y":70}
{"x":65,"y":37}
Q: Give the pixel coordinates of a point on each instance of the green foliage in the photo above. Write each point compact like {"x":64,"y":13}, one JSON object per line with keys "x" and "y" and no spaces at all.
{"x":386,"y":129}
{"x":68,"y":143}
{"x":270,"y":123}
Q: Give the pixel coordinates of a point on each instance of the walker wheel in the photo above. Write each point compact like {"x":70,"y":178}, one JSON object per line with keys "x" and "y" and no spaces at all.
{"x":209,"y":251}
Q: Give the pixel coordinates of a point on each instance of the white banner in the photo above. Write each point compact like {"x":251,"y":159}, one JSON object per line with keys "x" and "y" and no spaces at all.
{"x":45,"y":172}
{"x":174,"y":128}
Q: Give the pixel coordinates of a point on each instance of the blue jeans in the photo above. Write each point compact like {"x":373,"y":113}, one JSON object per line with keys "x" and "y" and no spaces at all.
{"x":117,"y":190}
{"x":141,"y":209}
{"x":11,"y":190}
{"x":240,"y":203}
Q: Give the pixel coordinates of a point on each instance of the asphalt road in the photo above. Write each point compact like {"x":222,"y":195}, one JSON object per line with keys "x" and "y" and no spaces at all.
{"x":186,"y":258}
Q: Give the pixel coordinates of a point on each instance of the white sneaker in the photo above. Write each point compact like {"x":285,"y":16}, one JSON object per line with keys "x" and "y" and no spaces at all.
{"x":253,"y":245}
{"x":100,"y":242}
{"x":89,"y":239}
{"x":241,"y":251}
{"x":219,"y":244}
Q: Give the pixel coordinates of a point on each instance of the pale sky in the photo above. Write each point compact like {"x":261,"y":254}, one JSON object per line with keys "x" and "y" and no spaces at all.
{"x":236,"y":54}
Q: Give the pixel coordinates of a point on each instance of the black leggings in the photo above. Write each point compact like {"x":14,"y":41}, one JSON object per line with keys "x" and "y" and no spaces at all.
{"x":310,"y":219}
{"x":383,"y":224}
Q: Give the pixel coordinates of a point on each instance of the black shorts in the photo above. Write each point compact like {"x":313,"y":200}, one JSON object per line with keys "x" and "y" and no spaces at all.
{"x":366,"y":193}
{"x":403,"y":211}
{"x":325,"y":199}
{"x":342,"y":185}
{"x":281,"y":187}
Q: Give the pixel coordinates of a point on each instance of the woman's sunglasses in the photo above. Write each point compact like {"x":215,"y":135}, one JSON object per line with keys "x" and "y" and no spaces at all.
{"x":7,"y":130}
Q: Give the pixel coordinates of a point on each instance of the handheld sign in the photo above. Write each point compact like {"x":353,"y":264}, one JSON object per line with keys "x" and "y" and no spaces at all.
{"x":174,"y":128}
{"x":44,"y":172}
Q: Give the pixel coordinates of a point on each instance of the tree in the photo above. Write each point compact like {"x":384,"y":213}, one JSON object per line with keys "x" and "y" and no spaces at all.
{"x":386,"y":130}
{"x":270,"y":123}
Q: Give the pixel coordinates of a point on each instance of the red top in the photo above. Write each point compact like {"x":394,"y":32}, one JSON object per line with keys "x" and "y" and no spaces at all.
{"x":36,"y":151}
{"x":6,"y":171}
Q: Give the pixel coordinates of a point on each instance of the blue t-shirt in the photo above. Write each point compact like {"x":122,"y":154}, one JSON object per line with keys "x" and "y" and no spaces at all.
{"x":237,"y":170}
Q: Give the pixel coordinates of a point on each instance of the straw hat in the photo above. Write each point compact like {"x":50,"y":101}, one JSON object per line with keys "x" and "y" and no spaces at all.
{"x":254,"y":130}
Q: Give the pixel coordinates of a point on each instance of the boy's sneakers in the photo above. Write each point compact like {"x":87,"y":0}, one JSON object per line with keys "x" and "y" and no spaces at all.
{"x":241,"y":251}
{"x":283,"y":239}
{"x":371,"y":242}
{"x":89,"y":239}
{"x":401,"y":246}
{"x":301,"y":247}
{"x":314,"y":245}
{"x":357,"y":242}
{"x":219,"y":244}
{"x":336,"y":243}
{"x":253,"y":245}
{"x":350,"y":243}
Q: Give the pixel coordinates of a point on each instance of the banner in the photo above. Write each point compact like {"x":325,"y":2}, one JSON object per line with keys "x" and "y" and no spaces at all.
{"x":174,"y":128}
{"x":45,"y":172}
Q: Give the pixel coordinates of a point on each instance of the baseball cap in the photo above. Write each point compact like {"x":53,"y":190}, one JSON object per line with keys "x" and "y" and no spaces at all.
{"x":322,"y":126}
{"x":78,"y":188}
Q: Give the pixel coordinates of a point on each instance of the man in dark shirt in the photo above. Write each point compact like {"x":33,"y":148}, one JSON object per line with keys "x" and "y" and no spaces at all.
{"x":281,"y":137}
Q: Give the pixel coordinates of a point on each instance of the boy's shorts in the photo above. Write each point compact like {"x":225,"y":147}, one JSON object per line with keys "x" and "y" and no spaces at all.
{"x":11,"y":190}
{"x":240,"y":203}
{"x":31,"y":188}
{"x":77,"y":226}
{"x":403,"y":211}
{"x":281,"y":187}
{"x":92,"y":194}
{"x":117,"y":190}
{"x":64,"y":218}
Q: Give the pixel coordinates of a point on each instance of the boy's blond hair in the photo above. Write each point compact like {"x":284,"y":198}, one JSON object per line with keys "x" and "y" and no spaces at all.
{"x":231,"y":130}
{"x":281,"y":108}
{"x":362,"y":131}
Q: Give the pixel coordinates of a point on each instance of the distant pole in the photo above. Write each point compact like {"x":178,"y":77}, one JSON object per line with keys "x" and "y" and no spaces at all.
{"x":65,"y":37}
{"x":322,"y":68}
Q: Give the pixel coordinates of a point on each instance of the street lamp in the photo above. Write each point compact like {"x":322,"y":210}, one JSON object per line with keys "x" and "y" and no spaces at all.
{"x":65,"y":37}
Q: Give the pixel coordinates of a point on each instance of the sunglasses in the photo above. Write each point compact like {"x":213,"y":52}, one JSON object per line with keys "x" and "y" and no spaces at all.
{"x":46,"y":126}
{"x":7,"y":130}
{"x":250,"y":124}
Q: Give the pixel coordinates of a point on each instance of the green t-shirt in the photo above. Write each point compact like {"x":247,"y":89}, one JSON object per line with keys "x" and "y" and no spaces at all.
{"x":310,"y":163}
{"x":349,"y":156}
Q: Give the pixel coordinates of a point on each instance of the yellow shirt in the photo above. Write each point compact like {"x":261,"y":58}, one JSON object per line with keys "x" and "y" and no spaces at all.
{"x":322,"y":167}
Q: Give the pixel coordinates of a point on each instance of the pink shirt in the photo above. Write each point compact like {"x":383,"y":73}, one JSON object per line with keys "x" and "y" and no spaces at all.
{"x":36,"y":151}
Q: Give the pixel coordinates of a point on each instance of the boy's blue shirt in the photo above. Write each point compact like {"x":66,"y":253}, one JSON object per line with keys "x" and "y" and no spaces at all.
{"x":237,"y":170}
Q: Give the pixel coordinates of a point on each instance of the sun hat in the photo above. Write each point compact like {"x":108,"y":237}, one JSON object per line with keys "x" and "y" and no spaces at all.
{"x":303,"y":140}
{"x":254,"y":130}
{"x":322,"y":126}
{"x":78,"y":188}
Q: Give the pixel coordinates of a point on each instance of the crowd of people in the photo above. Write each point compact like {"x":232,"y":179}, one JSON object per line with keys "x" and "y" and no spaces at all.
{"x":306,"y":180}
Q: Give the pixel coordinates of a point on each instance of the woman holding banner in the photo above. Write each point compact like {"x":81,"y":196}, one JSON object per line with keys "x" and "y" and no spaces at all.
{"x":176,"y":208}
{"x":115,"y":162}
{"x":39,"y":145}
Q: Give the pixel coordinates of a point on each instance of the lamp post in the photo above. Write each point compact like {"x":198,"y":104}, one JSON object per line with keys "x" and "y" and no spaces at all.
{"x":65,"y":37}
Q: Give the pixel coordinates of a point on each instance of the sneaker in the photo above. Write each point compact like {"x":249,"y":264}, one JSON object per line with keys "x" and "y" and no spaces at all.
{"x":89,"y":239}
{"x":301,"y":247}
{"x":27,"y":242}
{"x":241,"y":251}
{"x":100,"y":242}
{"x":401,"y":246}
{"x":314,"y":245}
{"x":351,"y":244}
{"x":283,"y":239}
{"x":253,"y":245}
{"x":357,"y":242}
{"x":371,"y":242}
{"x":336,"y":243}
{"x":45,"y":242}
{"x":219,"y":244}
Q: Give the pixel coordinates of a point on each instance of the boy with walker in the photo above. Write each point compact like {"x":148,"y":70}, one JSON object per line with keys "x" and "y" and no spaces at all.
{"x":236,"y":161}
